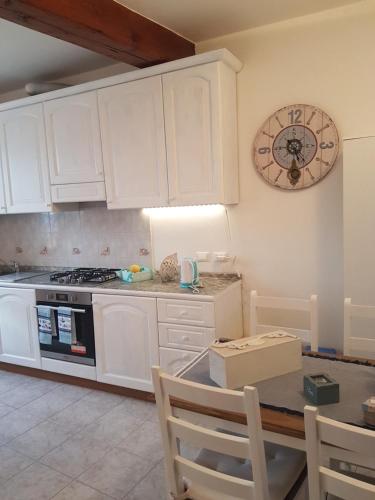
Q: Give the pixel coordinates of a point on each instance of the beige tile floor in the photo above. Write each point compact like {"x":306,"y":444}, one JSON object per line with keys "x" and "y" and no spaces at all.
{"x":70,"y":443}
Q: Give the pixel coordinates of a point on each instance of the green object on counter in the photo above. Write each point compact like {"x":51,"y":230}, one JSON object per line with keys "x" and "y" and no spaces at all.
{"x":143,"y":275}
{"x":321,"y":389}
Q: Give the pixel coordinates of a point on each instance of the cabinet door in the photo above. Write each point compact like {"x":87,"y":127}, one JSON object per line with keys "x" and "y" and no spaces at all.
{"x":2,"y":193}
{"x":24,"y":160}
{"x":192,"y":121}
{"x":73,"y":139}
{"x":126,"y":340}
{"x":173,"y":360}
{"x":132,"y":126}
{"x":19,"y":343}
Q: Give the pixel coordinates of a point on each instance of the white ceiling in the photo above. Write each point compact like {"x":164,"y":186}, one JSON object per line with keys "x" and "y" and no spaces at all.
{"x":200,"y":20}
{"x":27,"y":55}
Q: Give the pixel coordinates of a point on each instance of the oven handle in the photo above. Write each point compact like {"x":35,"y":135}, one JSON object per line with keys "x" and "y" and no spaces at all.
{"x":81,"y":311}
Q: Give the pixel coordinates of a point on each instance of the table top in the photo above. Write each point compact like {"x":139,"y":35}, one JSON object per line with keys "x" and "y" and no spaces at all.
{"x":282,"y":398}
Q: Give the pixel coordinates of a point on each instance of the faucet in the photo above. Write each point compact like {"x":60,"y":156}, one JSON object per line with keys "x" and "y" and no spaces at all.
{"x":15,"y":265}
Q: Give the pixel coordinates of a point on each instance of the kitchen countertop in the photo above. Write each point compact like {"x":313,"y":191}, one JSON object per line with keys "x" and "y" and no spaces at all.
{"x":212,"y":285}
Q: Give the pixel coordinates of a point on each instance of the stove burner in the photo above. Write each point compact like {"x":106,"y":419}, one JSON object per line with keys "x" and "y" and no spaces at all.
{"x":83,"y":275}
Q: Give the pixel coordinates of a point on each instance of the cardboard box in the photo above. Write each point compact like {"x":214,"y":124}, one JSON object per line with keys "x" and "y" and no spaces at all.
{"x":267,"y":356}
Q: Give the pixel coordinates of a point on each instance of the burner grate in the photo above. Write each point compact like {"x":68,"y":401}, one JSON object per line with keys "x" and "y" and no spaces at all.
{"x":84,"y":275}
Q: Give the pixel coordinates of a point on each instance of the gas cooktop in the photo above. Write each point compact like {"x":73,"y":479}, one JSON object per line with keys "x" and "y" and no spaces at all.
{"x":83,"y":275}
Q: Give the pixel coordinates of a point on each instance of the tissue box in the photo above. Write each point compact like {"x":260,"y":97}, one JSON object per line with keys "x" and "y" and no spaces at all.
{"x":266,"y":357}
{"x":321,"y":389}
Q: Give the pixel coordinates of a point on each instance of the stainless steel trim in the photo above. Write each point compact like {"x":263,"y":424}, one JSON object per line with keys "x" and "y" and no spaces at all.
{"x":81,"y":311}
{"x":67,"y":357}
{"x":80,"y":298}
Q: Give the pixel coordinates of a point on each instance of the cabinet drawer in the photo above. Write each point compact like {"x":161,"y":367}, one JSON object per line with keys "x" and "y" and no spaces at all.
{"x":172,"y":360}
{"x":85,"y":191}
{"x":185,"y":337}
{"x":186,"y":312}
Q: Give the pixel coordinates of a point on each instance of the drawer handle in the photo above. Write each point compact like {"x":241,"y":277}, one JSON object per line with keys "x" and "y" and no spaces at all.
{"x":185,"y":337}
{"x":183,"y":313}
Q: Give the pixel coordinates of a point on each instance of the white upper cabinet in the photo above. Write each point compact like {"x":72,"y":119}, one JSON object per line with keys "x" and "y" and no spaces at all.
{"x":24,"y":160}
{"x":132,"y":125}
{"x":73,"y":139}
{"x":201,"y":134}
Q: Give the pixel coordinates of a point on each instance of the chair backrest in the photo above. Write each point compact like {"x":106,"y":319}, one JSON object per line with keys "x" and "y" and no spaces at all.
{"x":322,"y":480}
{"x":174,"y":430}
{"x":357,"y":343}
{"x":288,"y":304}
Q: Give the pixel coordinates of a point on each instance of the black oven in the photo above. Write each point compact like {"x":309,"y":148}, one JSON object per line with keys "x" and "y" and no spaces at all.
{"x":80,"y":305}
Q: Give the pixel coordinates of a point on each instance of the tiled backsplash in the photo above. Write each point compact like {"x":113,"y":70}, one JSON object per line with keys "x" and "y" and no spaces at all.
{"x":90,"y":236}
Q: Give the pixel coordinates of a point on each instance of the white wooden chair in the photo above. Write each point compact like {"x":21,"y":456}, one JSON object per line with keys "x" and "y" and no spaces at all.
{"x":360,"y":443}
{"x":284,"y":303}
{"x":351,"y":343}
{"x":228,"y":466}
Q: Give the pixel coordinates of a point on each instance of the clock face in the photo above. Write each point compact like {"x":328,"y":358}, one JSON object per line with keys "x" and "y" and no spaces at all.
{"x":296,"y":147}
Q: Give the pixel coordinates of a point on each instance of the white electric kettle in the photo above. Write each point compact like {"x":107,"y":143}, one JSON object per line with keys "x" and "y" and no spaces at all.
{"x":189,"y":273}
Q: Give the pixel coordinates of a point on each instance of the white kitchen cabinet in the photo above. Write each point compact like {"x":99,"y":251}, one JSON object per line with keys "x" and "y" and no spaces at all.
{"x":200,"y":111}
{"x":132,"y":126}
{"x":19,"y":343}
{"x":191,"y":338}
{"x":3,"y":207}
{"x":73,"y":139}
{"x":126,"y":340}
{"x":172,"y":360}
{"x":24,"y":160}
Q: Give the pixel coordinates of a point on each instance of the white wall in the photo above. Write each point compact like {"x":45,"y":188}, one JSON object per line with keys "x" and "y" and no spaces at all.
{"x":290,"y":243}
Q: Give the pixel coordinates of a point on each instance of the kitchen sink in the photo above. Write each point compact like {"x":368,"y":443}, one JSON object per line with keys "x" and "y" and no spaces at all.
{"x":12,"y":277}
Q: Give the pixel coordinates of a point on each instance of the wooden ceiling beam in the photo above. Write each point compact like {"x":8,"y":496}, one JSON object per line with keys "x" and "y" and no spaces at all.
{"x":103,"y":26}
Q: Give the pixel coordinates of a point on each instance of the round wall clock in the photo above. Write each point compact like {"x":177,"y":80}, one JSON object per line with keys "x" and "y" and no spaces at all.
{"x":296,"y":147}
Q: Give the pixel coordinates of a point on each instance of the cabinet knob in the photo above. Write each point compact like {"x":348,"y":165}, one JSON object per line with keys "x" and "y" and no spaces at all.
{"x":183,"y":313}
{"x":185,"y":337}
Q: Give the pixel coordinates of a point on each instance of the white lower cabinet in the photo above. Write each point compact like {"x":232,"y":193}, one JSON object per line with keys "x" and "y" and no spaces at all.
{"x":19,"y":343}
{"x":172,"y":360}
{"x":126,"y":340}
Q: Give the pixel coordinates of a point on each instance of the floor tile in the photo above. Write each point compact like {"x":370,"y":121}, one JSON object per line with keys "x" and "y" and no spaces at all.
{"x":144,"y":442}
{"x":55,"y":401}
{"x":107,"y":399}
{"x":16,"y":423}
{"x":11,"y":463}
{"x":37,"y":482}
{"x":41,"y":439}
{"x":75,"y":456}
{"x":80,"y":413}
{"x":112,"y":428}
{"x":79,"y":491}
{"x":143,"y":410}
{"x":4,"y":409}
{"x":24,"y":393}
{"x":151,"y":487}
{"x":117,"y":473}
{"x":9,"y":381}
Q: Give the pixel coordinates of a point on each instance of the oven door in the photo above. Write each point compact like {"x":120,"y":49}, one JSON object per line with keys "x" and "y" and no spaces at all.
{"x":84,"y":352}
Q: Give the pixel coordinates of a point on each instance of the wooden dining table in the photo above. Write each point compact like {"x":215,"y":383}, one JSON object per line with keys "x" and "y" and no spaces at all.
{"x":282,"y":399}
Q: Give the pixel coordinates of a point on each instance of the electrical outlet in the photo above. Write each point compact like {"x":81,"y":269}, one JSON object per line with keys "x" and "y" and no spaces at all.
{"x":202,"y":256}
{"x":222,"y":257}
